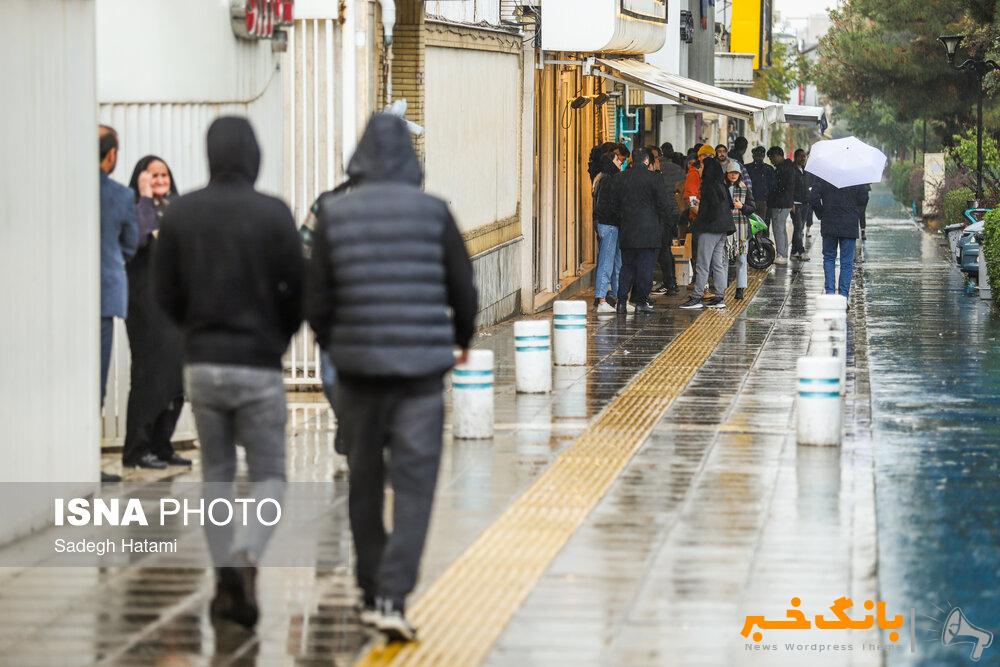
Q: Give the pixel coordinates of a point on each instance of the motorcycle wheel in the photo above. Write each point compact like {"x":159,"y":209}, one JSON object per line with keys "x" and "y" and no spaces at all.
{"x":760,"y":255}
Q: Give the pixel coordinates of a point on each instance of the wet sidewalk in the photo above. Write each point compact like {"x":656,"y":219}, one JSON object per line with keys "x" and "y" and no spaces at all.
{"x":637,"y":514}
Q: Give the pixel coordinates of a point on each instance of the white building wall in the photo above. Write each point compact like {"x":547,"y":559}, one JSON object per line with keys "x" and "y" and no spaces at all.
{"x":49,"y":254}
{"x":473,"y":113}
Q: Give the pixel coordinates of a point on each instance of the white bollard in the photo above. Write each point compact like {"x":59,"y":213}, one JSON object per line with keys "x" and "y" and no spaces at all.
{"x":985,"y":293}
{"x":472,"y":397}
{"x":818,"y":420}
{"x":833,"y":326}
{"x":569,"y":322}
{"x":532,"y":357}
{"x":828,"y":344}
{"x":834,"y":302}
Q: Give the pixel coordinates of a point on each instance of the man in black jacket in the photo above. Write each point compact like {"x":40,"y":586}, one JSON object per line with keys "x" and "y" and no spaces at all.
{"x":802,"y":211}
{"x":388,"y":263}
{"x":643,"y":207}
{"x":781,"y":200}
{"x":673,"y":177}
{"x":228,"y":270}
{"x":762,"y":175}
{"x":840,"y":211}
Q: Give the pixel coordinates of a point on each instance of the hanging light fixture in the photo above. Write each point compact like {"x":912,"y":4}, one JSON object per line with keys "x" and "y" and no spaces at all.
{"x":580,"y":102}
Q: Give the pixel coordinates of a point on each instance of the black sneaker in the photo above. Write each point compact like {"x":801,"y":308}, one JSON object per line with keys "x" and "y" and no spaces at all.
{"x":739,"y":293}
{"x":236,"y":595}
{"x":177,"y":460}
{"x":694,"y":303}
{"x":110,"y":478}
{"x":717,"y":302}
{"x":673,"y":291}
{"x":149,"y":461}
{"x":391,"y":621}
{"x":644,"y":308}
{"x":662,"y":289}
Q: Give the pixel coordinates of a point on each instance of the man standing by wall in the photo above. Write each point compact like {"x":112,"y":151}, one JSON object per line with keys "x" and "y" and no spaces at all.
{"x":644,"y":207}
{"x":387,"y":263}
{"x":673,"y":178}
{"x":119,"y":241}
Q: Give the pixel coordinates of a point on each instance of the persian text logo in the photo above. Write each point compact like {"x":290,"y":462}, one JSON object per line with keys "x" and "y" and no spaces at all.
{"x":795,"y":619}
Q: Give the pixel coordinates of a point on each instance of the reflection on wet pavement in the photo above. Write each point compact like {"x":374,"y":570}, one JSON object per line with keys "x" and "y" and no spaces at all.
{"x":936,"y":399}
{"x":154,"y":615}
{"x":717,"y":516}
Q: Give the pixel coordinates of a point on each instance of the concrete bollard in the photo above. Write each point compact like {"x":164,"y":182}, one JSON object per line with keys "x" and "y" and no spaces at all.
{"x":828,"y":344}
{"x":819,"y":418}
{"x":569,"y":323}
{"x":472,"y":397}
{"x":829,"y":328}
{"x":532,"y":357}
{"x":834,"y":302}
{"x":985,"y":293}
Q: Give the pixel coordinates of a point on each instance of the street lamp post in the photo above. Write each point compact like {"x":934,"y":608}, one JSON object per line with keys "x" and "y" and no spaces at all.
{"x":981,"y":67}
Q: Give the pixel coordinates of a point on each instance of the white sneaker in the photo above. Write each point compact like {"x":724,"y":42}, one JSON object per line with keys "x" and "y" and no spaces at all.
{"x":630,"y":307}
{"x":781,"y":261}
{"x":391,"y":621}
{"x":605,"y":308}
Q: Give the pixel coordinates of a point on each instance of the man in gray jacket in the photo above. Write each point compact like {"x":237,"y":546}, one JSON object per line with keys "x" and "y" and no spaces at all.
{"x":388,"y":264}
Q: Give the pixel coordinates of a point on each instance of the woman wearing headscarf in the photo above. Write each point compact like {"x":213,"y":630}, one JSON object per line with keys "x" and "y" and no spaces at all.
{"x":712,"y":226}
{"x":743,"y":207}
{"x":157,"y":394}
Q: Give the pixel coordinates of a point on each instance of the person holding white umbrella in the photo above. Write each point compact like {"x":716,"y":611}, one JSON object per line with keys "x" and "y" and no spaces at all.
{"x":843,"y":168}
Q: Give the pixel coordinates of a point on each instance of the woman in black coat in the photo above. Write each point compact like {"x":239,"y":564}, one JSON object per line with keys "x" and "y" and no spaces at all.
{"x":713,"y":225}
{"x":157,"y":393}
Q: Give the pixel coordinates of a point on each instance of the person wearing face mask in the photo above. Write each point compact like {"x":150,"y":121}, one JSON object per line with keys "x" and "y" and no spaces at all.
{"x":157,"y":392}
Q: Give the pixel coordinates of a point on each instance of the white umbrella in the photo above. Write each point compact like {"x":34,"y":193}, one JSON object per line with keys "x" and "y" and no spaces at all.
{"x":846,"y":162}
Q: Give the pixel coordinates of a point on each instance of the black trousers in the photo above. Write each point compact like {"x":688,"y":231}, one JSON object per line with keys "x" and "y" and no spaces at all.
{"x":152,"y":437}
{"x":798,"y":230}
{"x":408,"y":426}
{"x":637,"y":274}
{"x":666,"y":259}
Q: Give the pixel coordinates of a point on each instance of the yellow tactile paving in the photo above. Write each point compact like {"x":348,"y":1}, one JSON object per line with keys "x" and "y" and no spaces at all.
{"x":461,"y":615}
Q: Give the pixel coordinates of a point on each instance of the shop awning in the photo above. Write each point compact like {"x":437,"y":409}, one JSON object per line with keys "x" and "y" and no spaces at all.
{"x":800,"y":115}
{"x":695,"y":94}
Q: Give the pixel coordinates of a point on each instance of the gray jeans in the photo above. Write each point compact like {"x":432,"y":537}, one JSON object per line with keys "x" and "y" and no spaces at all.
{"x":408,"y":427}
{"x":711,"y":261}
{"x":239,"y":405}
{"x":779,"y":227}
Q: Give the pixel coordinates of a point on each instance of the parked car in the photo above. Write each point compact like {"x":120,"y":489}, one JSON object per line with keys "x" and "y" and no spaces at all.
{"x":966,"y":247}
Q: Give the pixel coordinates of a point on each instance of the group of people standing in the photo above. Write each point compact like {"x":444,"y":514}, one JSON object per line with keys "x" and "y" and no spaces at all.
{"x":646,"y":198}
{"x":213,"y":285}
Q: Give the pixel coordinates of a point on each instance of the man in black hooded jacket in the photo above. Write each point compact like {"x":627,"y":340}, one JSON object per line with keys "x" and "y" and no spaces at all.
{"x":388,"y":264}
{"x":228,"y":269}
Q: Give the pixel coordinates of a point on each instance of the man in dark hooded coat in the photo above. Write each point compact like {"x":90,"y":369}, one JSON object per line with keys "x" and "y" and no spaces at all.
{"x":228,"y":269}
{"x":388,"y":264}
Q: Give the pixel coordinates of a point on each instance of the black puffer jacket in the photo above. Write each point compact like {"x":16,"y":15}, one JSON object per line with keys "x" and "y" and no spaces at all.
{"x":387,"y":264}
{"x":643,"y":207}
{"x":839,"y":209}
{"x":228,"y":261}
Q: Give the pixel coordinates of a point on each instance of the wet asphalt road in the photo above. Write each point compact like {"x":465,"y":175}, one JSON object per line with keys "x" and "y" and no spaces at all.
{"x":935,"y":376}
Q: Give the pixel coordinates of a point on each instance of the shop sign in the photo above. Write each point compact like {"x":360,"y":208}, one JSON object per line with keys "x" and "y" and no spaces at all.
{"x":258,"y":19}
